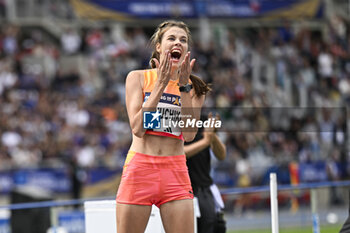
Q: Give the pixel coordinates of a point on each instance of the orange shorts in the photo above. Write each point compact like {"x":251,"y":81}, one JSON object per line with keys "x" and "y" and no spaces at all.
{"x":149,"y":179}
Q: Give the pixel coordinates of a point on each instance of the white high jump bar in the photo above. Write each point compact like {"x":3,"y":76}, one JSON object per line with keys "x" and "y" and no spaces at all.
{"x":274,"y":203}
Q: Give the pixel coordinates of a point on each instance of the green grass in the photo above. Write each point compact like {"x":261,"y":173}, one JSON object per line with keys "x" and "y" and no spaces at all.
{"x":324,"y":229}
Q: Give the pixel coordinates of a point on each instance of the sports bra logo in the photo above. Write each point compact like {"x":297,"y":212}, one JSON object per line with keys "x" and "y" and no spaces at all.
{"x":166,"y":98}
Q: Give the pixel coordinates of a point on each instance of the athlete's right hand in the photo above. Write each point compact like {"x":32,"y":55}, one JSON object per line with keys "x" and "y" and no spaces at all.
{"x":164,"y":69}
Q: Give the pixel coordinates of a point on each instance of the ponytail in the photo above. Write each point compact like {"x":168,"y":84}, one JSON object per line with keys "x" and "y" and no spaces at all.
{"x":199,"y":86}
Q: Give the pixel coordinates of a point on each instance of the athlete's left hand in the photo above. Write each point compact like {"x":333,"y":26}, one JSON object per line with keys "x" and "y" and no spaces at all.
{"x":185,"y":69}
{"x":208,"y":133}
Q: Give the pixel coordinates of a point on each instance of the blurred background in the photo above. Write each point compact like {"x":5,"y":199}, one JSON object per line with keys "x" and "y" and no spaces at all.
{"x":64,"y":132}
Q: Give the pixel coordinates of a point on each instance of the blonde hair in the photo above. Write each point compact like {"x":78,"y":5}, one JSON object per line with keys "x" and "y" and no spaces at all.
{"x":200,"y":87}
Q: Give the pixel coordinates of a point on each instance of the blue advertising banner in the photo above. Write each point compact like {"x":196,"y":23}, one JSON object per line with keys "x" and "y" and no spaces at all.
{"x":312,"y":172}
{"x":126,"y":10}
{"x":55,"y":180}
{"x":4,"y":225}
{"x":6,"y":182}
{"x":72,"y":221}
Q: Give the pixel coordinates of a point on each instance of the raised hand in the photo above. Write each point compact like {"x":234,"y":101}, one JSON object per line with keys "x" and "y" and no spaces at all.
{"x":164,"y":69}
{"x":208,"y":133}
{"x":185,"y":69}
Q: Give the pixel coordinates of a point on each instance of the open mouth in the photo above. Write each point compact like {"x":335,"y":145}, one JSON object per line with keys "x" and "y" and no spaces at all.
{"x":175,"y":55}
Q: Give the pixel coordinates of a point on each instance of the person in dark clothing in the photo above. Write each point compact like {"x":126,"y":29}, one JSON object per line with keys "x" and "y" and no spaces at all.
{"x":77,"y":177}
{"x":2,"y":9}
{"x":198,"y":162}
{"x":346,"y":226}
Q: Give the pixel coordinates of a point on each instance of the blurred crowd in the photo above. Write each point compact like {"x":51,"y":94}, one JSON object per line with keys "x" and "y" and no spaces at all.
{"x":63,"y":101}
